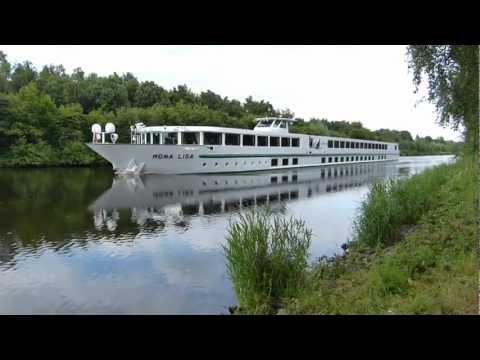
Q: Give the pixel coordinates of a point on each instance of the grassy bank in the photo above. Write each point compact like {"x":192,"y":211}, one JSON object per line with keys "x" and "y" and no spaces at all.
{"x":414,"y":252}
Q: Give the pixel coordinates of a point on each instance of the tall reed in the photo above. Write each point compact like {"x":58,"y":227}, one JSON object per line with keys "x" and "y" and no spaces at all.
{"x":392,"y":205}
{"x":266,"y":258}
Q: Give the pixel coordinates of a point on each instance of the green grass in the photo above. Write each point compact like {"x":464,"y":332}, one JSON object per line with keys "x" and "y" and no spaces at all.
{"x":431,"y":270}
{"x":266,"y":259}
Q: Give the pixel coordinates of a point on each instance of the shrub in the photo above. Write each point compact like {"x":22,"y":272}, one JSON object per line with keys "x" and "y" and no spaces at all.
{"x":266,"y":258}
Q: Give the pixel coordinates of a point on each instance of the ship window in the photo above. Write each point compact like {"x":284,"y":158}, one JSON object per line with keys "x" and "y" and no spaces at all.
{"x":248,"y":140}
{"x":156,"y":138}
{"x":295,"y":142}
{"x":204,"y":164}
{"x":335,"y":144}
{"x":232,"y":139}
{"x":283,"y":125}
{"x":274,"y":141}
{"x":336,"y":159}
{"x":265,"y":123}
{"x":347,"y":144}
{"x":285,"y":142}
{"x":341,"y":159}
{"x":329,"y":159}
{"x":323,"y":160}
{"x":190,"y":138}
{"x":295,"y":161}
{"x":395,"y":147}
{"x":369,"y":145}
{"x":361,"y":145}
{"x":342,"y":144}
{"x":357,"y":145}
{"x":171,"y":138}
{"x":330,"y":143}
{"x":274,"y":162}
{"x":285,"y":162}
{"x":262,"y":141}
{"x":210,"y":138}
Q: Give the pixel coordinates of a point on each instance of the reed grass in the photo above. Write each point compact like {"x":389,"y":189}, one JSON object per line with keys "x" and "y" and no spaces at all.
{"x":396,"y":205}
{"x":266,"y":259}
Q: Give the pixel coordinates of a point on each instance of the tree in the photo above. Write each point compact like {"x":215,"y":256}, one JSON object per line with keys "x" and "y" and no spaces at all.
{"x":184,"y":94}
{"x":259,"y":108}
{"x":148,"y":93}
{"x":452,"y":75}
{"x":131,"y":84}
{"x":53,"y":81}
{"x":211,"y":100}
{"x":23,"y":74}
{"x":5,"y":69}
{"x":113,"y":93}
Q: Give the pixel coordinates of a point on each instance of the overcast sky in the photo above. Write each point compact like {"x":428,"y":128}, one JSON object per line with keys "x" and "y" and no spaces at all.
{"x":370,"y":84}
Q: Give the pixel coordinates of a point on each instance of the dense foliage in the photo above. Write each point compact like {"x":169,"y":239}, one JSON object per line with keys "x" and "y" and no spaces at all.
{"x":45,"y":116}
{"x":452,"y":75}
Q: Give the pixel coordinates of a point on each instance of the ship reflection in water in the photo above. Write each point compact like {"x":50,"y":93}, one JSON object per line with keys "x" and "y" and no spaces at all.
{"x":162,"y":199}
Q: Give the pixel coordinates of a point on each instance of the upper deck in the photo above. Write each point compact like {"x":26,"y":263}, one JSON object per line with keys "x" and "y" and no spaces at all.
{"x":269,"y":132}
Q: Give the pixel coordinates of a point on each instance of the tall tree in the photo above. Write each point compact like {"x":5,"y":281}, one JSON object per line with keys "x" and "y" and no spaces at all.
{"x":23,"y":74}
{"x":5,"y":69}
{"x":259,"y":108}
{"x":452,"y":75}
{"x":148,"y":93}
{"x":131,"y":84}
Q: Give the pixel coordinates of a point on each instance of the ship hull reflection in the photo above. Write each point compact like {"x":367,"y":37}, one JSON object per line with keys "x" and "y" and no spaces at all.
{"x":154,"y":196}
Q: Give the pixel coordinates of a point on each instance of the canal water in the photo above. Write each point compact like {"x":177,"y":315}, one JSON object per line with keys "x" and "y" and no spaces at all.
{"x":80,"y":241}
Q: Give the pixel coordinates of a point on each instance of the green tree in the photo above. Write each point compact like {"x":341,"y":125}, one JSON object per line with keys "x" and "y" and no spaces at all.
{"x":131,"y":84}
{"x":452,"y":75}
{"x":23,"y":74}
{"x":259,"y":108}
{"x":54,"y":82}
{"x":148,"y":93}
{"x":5,"y":69}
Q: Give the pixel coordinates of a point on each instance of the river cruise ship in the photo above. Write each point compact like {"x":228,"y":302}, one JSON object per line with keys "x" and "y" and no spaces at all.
{"x":206,"y":149}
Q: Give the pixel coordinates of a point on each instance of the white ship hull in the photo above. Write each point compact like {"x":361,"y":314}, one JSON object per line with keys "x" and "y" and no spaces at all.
{"x":188,"y":159}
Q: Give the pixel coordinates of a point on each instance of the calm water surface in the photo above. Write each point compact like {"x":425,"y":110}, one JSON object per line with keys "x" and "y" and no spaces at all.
{"x":79,"y":241}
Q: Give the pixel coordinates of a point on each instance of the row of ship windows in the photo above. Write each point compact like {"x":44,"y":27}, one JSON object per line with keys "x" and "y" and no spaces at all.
{"x":356,"y":145}
{"x":211,"y":138}
{"x":331,"y":159}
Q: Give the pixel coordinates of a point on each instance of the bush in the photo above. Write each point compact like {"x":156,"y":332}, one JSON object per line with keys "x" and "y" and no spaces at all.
{"x":266,"y":259}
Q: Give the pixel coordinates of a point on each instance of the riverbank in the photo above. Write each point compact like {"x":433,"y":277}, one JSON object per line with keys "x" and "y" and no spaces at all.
{"x":431,"y":268}
{"x":415,"y":252}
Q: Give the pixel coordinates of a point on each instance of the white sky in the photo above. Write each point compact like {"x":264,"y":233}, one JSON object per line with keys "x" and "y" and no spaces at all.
{"x":370,"y":84}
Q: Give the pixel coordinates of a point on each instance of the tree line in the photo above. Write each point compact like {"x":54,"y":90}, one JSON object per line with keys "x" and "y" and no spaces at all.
{"x":46,"y":115}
